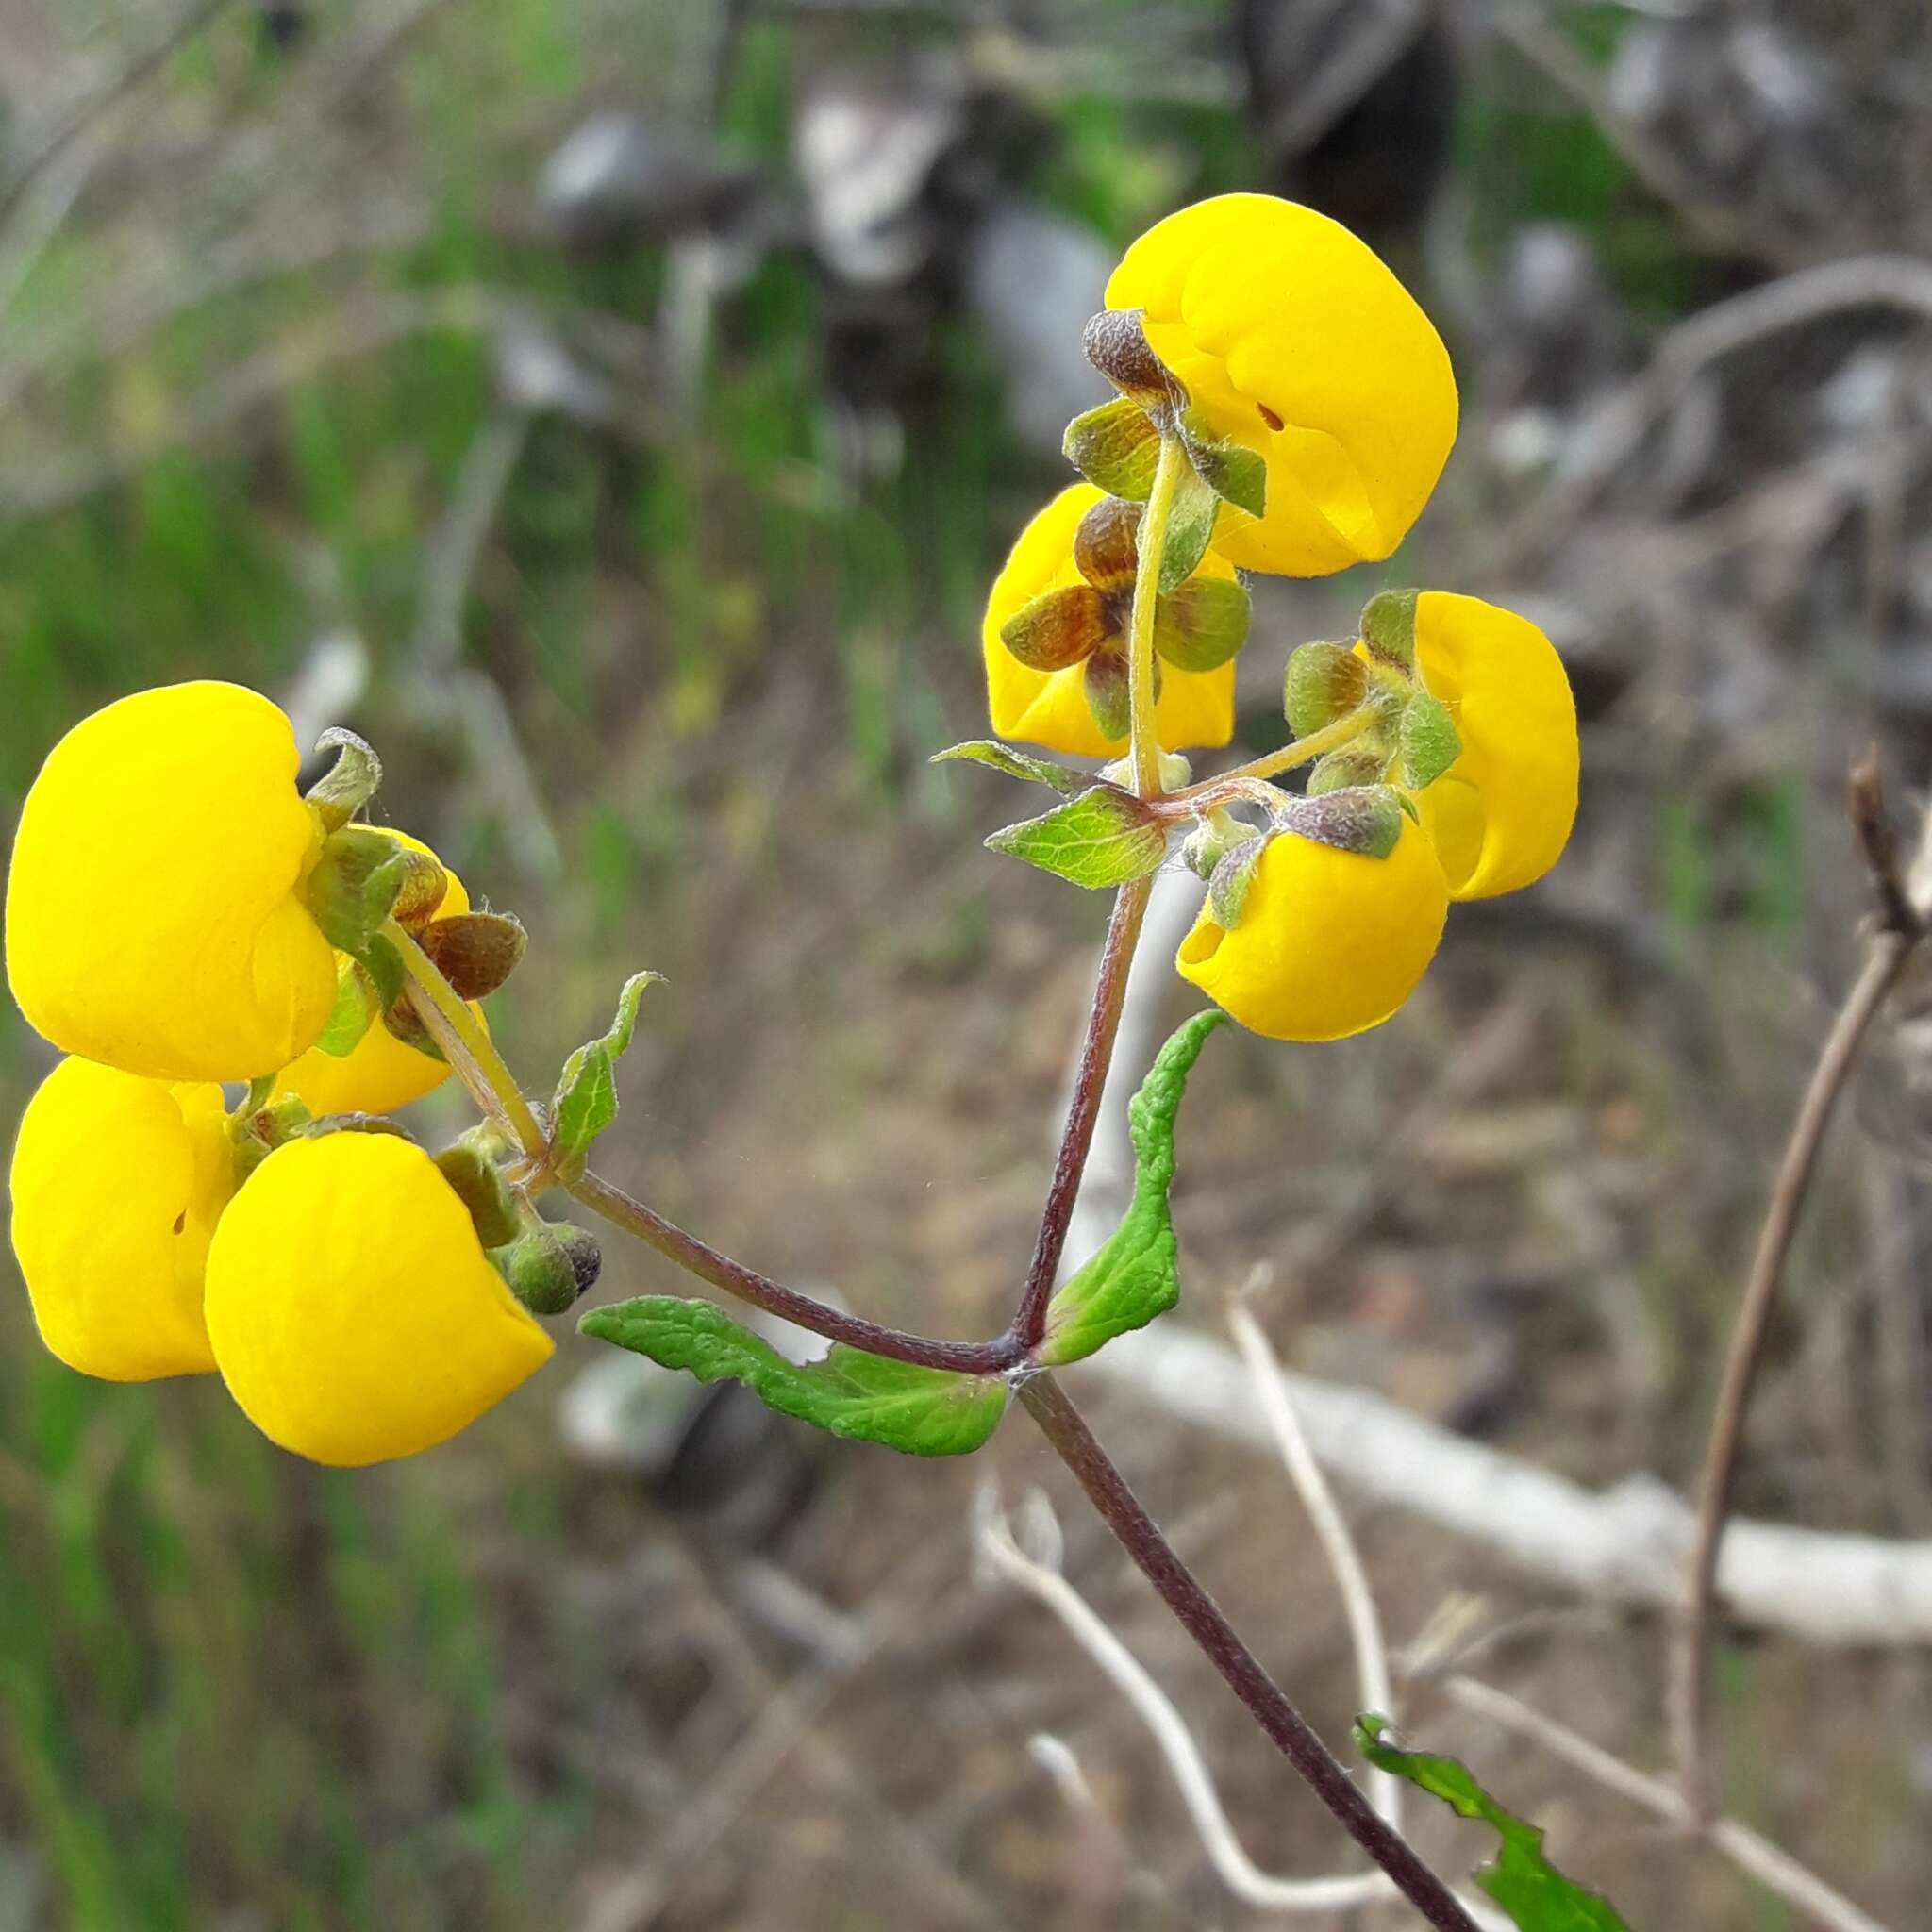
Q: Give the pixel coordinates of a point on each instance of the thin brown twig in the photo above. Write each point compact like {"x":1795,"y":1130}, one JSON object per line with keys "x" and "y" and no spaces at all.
{"x":1083,"y":1110}
{"x":1890,"y":946}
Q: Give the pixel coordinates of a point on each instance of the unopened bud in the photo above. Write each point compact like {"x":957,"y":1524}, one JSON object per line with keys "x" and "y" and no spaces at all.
{"x":1116,"y":344}
{"x":548,"y":1267}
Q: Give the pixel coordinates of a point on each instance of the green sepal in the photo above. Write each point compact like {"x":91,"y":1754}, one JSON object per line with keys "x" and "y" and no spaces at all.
{"x":1057,"y":628}
{"x":260,"y":1125}
{"x":549,"y":1265}
{"x":352,"y":1123}
{"x":1427,"y":741}
{"x":1323,"y":683}
{"x":1102,"y":838}
{"x":1211,"y":841}
{"x":1355,"y":764}
{"x":479,"y":1184}
{"x":353,"y":1013}
{"x":1189,"y":525}
{"x":1115,"y":447}
{"x":868,"y":1398}
{"x":353,"y":885}
{"x":1015,"y":764}
{"x":1201,"y":625}
{"x":586,"y":1099}
{"x":1388,"y":625}
{"x":348,"y":784}
{"x":476,"y":952}
{"x":1136,"y":1274}
{"x":1364,"y":818}
{"x":1107,"y":688}
{"x":1227,"y":886}
{"x":1534,"y":1894}
{"x":387,"y":973}
{"x":1236,"y":474}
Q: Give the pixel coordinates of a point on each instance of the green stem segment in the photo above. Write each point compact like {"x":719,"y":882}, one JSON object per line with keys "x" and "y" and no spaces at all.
{"x":1153,"y":547}
{"x":1301,"y":751}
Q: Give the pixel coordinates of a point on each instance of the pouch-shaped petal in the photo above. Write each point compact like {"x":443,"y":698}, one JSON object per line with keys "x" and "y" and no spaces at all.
{"x":381,"y":1071}
{"x":1050,"y":707}
{"x":117,"y":1185}
{"x":154,"y":913}
{"x":1329,"y":943}
{"x":353,"y":1312}
{"x":1294,"y":340}
{"x":1500,"y":816}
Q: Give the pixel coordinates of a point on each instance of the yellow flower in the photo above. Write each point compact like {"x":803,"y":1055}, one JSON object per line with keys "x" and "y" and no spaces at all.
{"x":155,"y":921}
{"x":1329,"y":943}
{"x":117,"y":1183}
{"x":1501,"y":815}
{"x":381,"y":1071}
{"x":353,"y":1311}
{"x":1294,"y":340}
{"x":1050,"y":707}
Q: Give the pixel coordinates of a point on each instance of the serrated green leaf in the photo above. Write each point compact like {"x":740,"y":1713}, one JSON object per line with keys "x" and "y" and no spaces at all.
{"x":1136,"y":1274}
{"x":1520,"y":1878}
{"x":1115,"y":447}
{"x":586,"y":1099}
{"x":1015,"y":764}
{"x":353,"y":1013}
{"x":1102,"y":838}
{"x":869,"y":1398}
{"x":1189,"y":524}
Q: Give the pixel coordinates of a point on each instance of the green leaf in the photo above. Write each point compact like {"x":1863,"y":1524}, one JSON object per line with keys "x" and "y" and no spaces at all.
{"x":1520,"y":1879}
{"x":353,"y":1013}
{"x":1189,"y":524}
{"x":869,"y":1398}
{"x":1015,"y":764}
{"x":1428,"y":739}
{"x":586,"y":1100}
{"x":1136,"y":1274}
{"x":1115,"y":447}
{"x":1104,"y":838}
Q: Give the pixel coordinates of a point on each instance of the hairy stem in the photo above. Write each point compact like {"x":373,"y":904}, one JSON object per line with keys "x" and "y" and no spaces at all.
{"x":697,"y":1258}
{"x":467,"y":1047}
{"x":1301,"y":751}
{"x":1066,"y":1429}
{"x":1153,"y":547}
{"x":1083,"y":1111}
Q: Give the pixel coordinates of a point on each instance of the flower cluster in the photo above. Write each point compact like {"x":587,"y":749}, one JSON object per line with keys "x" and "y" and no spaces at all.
{"x":179,"y":915}
{"x":1285,"y":407}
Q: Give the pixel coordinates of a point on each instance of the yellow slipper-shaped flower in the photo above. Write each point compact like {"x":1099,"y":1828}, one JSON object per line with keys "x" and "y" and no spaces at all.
{"x":1050,"y":707}
{"x":381,"y":1071}
{"x":1329,"y":943}
{"x":1501,"y":815}
{"x":155,"y":921}
{"x":1294,"y":340}
{"x":353,"y":1311}
{"x":117,"y":1185}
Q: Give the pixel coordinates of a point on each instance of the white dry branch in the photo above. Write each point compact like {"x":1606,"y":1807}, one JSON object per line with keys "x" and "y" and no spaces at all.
{"x":1624,"y":1545}
{"x":1002,"y":1555}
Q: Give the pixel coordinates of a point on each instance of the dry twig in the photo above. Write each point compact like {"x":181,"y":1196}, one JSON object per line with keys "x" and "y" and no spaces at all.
{"x":1891,"y":944}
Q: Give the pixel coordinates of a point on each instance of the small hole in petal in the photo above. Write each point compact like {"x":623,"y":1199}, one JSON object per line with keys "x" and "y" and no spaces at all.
{"x":1268,"y":416}
{"x":181,"y":1221}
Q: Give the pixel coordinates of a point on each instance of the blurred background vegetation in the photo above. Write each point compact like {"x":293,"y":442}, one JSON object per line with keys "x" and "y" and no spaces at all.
{"x":615,"y":409}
